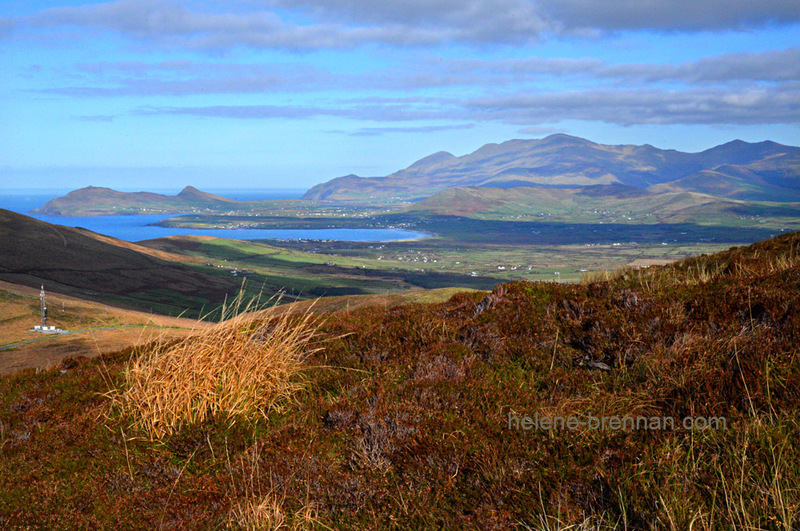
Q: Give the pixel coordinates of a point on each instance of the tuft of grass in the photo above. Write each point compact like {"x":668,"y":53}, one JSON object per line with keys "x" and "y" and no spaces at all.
{"x":603,"y":275}
{"x":253,"y":509}
{"x":240,"y":369}
{"x":268,"y":513}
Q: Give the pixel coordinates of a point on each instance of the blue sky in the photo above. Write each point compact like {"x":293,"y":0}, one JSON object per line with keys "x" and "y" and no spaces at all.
{"x":144,"y":94}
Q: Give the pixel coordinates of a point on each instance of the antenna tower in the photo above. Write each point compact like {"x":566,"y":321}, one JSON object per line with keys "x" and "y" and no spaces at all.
{"x":44,"y":308}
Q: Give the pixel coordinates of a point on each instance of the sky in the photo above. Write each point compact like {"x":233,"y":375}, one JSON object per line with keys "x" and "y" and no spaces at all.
{"x":146,"y":94}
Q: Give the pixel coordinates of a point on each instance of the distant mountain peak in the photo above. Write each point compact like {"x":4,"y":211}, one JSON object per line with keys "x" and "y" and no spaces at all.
{"x":91,"y":188}
{"x":430,"y":160}
{"x":564,"y":136}
{"x":190,"y":191}
{"x":736,"y":143}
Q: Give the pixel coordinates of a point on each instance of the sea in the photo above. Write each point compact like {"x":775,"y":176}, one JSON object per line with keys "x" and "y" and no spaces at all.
{"x":139,"y":228}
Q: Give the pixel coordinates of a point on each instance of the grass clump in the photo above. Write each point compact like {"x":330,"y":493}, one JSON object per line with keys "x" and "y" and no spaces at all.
{"x":268,"y":513}
{"x":240,"y":369}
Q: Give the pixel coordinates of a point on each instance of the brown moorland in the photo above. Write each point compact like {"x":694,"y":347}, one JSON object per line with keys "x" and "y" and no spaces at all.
{"x":95,"y":328}
{"x":402,"y":420}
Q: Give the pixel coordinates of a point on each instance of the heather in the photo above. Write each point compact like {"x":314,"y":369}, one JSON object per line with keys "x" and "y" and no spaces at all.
{"x":402,"y":418}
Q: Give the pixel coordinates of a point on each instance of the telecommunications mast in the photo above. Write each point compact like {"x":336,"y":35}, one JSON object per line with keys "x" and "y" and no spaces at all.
{"x":43,"y":327}
{"x":44,"y":309}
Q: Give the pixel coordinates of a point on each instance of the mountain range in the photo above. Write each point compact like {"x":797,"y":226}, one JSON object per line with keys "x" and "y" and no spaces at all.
{"x":764,"y":171}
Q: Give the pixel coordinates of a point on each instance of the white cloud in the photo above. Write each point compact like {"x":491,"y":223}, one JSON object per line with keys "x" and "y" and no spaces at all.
{"x":173,"y":24}
{"x":380,"y":131}
{"x":180,"y":78}
{"x":770,"y":66}
{"x":509,"y":19}
{"x":474,"y":21}
{"x":742,"y":88}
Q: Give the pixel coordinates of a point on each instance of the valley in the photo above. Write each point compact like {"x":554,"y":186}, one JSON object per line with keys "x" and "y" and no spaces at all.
{"x":580,"y":228}
{"x":494,"y":265}
{"x":375,"y":360}
{"x":526,"y":236}
{"x":549,"y":209}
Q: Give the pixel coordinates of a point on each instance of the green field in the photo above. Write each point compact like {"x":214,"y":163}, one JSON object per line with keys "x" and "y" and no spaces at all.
{"x":500,"y":245}
{"x":308,"y":274}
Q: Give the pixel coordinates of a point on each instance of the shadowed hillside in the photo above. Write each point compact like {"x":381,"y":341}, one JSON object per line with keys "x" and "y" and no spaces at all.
{"x":412,"y":417}
{"x":81,"y":263}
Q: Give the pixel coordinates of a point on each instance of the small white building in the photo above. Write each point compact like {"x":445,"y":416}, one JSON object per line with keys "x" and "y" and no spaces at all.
{"x":48,"y":330}
{"x":43,"y":328}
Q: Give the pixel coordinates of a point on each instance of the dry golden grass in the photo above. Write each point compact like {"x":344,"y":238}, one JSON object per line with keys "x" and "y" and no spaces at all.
{"x":603,"y":275}
{"x":253,"y":509}
{"x":741,"y":262}
{"x":268,"y":513}
{"x":238,"y":370}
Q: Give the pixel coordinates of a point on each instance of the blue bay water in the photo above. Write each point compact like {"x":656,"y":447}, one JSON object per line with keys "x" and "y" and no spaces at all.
{"x":138,"y":228}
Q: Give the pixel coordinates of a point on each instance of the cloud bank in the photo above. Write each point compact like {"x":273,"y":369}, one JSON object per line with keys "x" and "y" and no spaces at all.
{"x":337,"y":24}
{"x":183,"y":78}
{"x":621,"y":107}
{"x":476,"y":81}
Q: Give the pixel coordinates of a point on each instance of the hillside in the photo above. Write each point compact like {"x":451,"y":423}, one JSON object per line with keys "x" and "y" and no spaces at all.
{"x":94,"y":328}
{"x":95,"y":267}
{"x":562,"y":160}
{"x":776,"y":177}
{"x":578,"y":204}
{"x":97,"y":201}
{"x":413,"y":417}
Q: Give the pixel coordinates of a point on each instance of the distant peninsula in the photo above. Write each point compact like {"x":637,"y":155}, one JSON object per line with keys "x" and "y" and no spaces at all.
{"x":99,"y":201}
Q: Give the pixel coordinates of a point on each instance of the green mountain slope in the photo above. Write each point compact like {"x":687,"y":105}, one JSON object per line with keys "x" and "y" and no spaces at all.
{"x":774,"y":178}
{"x":583,"y":203}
